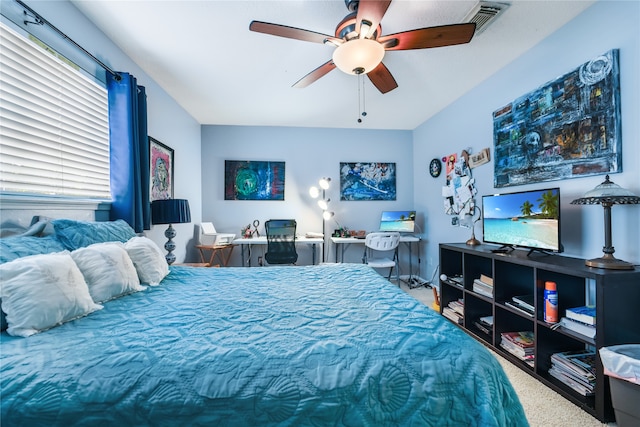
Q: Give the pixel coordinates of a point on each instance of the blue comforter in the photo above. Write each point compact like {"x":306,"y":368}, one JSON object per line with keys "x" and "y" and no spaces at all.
{"x":319,"y":346}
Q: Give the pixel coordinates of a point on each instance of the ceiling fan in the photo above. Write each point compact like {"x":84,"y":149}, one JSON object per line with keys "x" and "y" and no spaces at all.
{"x":360,"y":45}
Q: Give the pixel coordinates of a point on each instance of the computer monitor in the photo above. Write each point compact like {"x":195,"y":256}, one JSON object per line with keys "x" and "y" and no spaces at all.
{"x":401,"y":221}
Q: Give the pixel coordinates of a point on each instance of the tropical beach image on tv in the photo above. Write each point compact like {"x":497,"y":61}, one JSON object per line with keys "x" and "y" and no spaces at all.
{"x":528,"y":219}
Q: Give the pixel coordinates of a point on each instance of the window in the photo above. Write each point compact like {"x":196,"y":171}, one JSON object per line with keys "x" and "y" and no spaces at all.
{"x":54,"y":124}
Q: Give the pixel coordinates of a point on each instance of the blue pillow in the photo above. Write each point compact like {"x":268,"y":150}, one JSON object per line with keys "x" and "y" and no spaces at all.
{"x":75,"y":234}
{"x":20,"y":246}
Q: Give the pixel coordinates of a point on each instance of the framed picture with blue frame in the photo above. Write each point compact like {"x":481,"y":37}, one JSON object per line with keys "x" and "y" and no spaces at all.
{"x":253,"y":180}
{"x":367,"y":181}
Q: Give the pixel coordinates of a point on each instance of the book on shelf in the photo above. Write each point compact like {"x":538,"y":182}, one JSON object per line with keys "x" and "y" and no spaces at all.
{"x":458,"y":279}
{"x":457,"y":306}
{"x":524,"y":301}
{"x":482,"y":288}
{"x":452,"y":315}
{"x":486,"y":279}
{"x":588,"y":331}
{"x":483,"y":327}
{"x":584,"y":314}
{"x":519,"y":308}
{"x":487,"y":320}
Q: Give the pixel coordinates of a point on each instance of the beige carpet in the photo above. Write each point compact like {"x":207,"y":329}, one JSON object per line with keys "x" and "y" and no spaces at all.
{"x":543,"y":406}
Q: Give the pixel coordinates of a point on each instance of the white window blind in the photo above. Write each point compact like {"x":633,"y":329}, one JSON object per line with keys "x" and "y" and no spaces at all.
{"x":54,"y":124}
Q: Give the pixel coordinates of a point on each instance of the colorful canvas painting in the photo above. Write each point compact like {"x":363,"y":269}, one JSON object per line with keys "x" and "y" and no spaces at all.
{"x":567,"y":128}
{"x":367,"y":181}
{"x":249,"y":180}
{"x":161,"y":169}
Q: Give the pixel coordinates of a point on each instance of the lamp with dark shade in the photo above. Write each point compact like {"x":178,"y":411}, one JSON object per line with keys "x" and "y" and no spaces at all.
{"x":608,"y":194}
{"x":170,"y":211}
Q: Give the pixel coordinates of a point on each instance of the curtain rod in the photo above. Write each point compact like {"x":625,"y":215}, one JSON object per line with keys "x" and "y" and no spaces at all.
{"x":40,"y":21}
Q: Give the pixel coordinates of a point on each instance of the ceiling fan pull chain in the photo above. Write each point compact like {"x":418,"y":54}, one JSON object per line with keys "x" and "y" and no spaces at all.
{"x":364,"y":106}
{"x":361,"y":107}
{"x":358,"y":90}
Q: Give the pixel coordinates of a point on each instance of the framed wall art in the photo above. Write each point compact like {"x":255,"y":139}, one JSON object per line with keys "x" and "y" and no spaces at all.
{"x":161,"y":169}
{"x":253,"y":180}
{"x":367,"y":181}
{"x":566,"y":128}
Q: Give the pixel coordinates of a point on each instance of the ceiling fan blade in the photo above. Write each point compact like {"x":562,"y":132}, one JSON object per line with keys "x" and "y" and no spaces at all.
{"x":445,"y":35}
{"x":290,"y":32}
{"x":371,"y":11}
{"x":382,"y":79}
{"x":315,"y":74}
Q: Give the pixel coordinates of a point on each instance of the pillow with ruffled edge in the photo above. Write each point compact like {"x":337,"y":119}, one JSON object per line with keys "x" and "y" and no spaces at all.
{"x":108,"y":270}
{"x":75,"y":234}
{"x":42,"y":291}
{"x":148,"y":259}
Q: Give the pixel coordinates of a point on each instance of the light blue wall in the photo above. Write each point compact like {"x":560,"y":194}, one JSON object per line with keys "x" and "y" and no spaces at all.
{"x":468,"y":123}
{"x":168,"y":122}
{"x":312,"y":153}
{"x":309,"y":154}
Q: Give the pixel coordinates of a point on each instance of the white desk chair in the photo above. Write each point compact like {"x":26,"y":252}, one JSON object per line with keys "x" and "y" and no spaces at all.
{"x":376,"y":246}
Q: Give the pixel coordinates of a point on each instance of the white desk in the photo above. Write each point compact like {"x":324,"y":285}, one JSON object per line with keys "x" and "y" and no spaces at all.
{"x":343,"y":243}
{"x":262,"y":240}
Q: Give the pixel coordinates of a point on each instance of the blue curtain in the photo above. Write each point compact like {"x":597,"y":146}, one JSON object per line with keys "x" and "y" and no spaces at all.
{"x":129,"y":152}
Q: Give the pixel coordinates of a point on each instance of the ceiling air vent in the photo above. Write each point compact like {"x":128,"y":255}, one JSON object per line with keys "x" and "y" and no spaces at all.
{"x":484,"y":13}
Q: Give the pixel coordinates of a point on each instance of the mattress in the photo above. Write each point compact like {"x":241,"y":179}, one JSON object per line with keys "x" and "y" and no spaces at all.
{"x":333,"y":344}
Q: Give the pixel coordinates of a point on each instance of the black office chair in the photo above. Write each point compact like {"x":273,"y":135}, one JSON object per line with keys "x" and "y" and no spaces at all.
{"x":281,"y":241}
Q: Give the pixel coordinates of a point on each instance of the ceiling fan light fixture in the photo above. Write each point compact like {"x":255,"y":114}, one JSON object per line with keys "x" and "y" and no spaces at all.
{"x":357,"y":55}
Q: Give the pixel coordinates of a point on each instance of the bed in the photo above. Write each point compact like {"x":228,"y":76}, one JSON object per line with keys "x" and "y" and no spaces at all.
{"x":325,"y":345}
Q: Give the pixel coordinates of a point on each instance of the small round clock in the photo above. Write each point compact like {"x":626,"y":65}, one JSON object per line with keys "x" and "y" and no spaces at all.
{"x":435,"y":167}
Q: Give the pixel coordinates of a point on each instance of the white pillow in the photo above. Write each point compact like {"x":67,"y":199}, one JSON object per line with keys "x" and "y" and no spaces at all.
{"x":108,"y":270}
{"x":148,"y":259}
{"x":41,"y":291}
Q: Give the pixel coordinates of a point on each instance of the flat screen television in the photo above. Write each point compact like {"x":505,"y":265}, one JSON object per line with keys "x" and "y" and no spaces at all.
{"x":528,"y":219}
{"x":401,"y":221}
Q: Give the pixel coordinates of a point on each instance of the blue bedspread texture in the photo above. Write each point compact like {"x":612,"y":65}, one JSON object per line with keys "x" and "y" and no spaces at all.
{"x":328,"y":345}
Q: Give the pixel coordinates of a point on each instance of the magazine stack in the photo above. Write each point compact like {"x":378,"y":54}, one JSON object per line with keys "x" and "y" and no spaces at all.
{"x":575,"y":369}
{"x":483,"y":286}
{"x":520,"y":344}
{"x":454,"y":311}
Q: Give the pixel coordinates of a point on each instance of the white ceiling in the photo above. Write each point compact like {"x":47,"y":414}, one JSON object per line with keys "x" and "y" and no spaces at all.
{"x":203,"y":54}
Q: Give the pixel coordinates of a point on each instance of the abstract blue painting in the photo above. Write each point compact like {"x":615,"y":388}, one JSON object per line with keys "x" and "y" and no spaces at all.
{"x":249,"y":180}
{"x":567,"y":128}
{"x":367,"y":181}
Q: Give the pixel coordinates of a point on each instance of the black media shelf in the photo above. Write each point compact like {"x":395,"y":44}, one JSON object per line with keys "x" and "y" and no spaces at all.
{"x":615,"y":294}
